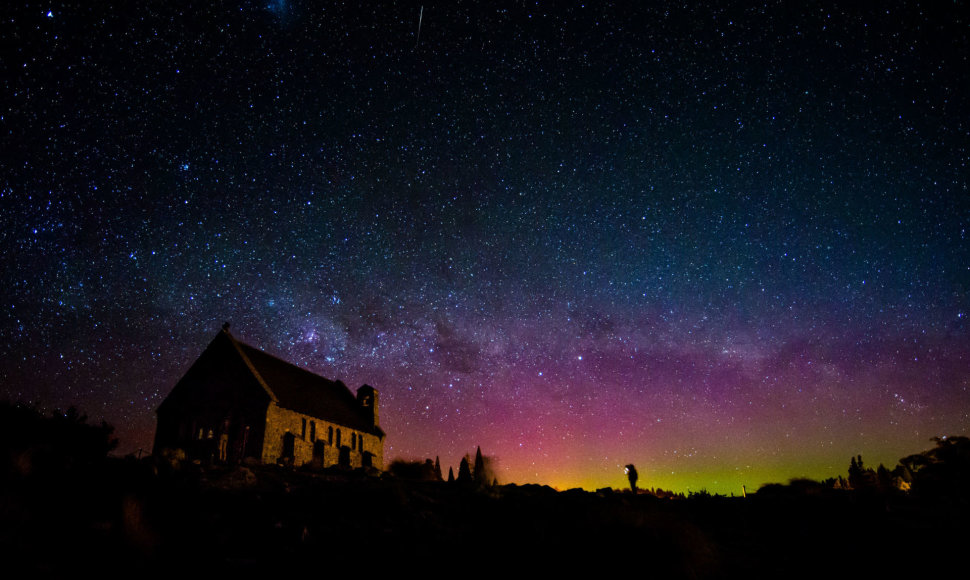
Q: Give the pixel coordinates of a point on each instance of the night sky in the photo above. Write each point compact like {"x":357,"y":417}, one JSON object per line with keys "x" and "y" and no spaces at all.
{"x":726,"y":242}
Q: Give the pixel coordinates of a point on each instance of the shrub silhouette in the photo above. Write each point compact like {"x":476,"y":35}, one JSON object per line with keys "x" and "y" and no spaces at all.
{"x":35,"y":444}
{"x":415,"y":470}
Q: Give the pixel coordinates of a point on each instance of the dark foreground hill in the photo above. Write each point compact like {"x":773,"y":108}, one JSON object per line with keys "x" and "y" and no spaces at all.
{"x":124,"y":517}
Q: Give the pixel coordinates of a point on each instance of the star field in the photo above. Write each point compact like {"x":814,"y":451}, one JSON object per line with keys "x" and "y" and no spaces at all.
{"x":725,"y":242}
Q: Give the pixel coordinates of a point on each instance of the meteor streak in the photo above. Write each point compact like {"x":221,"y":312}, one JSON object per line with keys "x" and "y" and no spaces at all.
{"x":420,"y":18}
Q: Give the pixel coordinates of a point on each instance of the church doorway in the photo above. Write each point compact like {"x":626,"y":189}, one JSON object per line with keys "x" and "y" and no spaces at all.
{"x":288,"y":445}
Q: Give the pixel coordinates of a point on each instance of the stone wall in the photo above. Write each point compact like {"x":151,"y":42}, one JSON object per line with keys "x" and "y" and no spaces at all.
{"x":280,"y":421}
{"x":373,"y":444}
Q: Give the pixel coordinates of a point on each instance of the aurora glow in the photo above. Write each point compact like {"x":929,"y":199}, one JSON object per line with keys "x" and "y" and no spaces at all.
{"x":727,"y":244}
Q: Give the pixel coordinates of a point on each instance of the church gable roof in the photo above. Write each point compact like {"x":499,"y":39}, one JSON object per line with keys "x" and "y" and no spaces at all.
{"x":221,"y":374}
{"x":300,"y":390}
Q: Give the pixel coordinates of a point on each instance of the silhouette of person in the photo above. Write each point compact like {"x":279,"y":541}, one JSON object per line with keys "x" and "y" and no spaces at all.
{"x":631,"y":474}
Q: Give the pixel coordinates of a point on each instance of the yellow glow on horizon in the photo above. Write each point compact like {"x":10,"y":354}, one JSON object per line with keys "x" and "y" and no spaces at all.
{"x":715,"y":479}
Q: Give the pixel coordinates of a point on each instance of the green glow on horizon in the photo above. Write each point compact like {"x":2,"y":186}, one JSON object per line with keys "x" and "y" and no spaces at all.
{"x":716,"y":479}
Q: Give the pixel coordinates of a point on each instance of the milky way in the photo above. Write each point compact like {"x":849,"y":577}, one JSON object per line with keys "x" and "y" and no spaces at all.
{"x":727,"y":244}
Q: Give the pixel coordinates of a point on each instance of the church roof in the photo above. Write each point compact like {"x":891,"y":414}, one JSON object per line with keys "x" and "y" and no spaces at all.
{"x":300,"y":390}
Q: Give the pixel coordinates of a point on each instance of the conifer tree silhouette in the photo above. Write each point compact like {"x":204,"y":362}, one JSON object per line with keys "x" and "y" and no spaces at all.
{"x":464,"y":473}
{"x":479,"y":467}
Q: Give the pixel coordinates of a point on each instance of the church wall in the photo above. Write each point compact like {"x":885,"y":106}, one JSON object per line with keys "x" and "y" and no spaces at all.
{"x":280,"y":421}
{"x":375,"y":445}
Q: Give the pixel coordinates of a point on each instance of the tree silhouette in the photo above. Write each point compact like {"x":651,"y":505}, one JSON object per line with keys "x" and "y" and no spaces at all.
{"x":464,"y":473}
{"x":485,"y":469}
{"x":913,"y":463}
{"x":437,"y":468}
{"x":861,"y":477}
{"x":944,"y":471}
{"x":884,"y":479}
{"x":479,"y":474}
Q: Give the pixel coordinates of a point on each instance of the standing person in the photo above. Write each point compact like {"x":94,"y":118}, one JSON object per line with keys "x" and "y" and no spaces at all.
{"x":631,"y":474}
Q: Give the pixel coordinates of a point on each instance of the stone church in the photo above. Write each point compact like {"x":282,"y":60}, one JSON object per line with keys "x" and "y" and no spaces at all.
{"x":238,"y":402}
